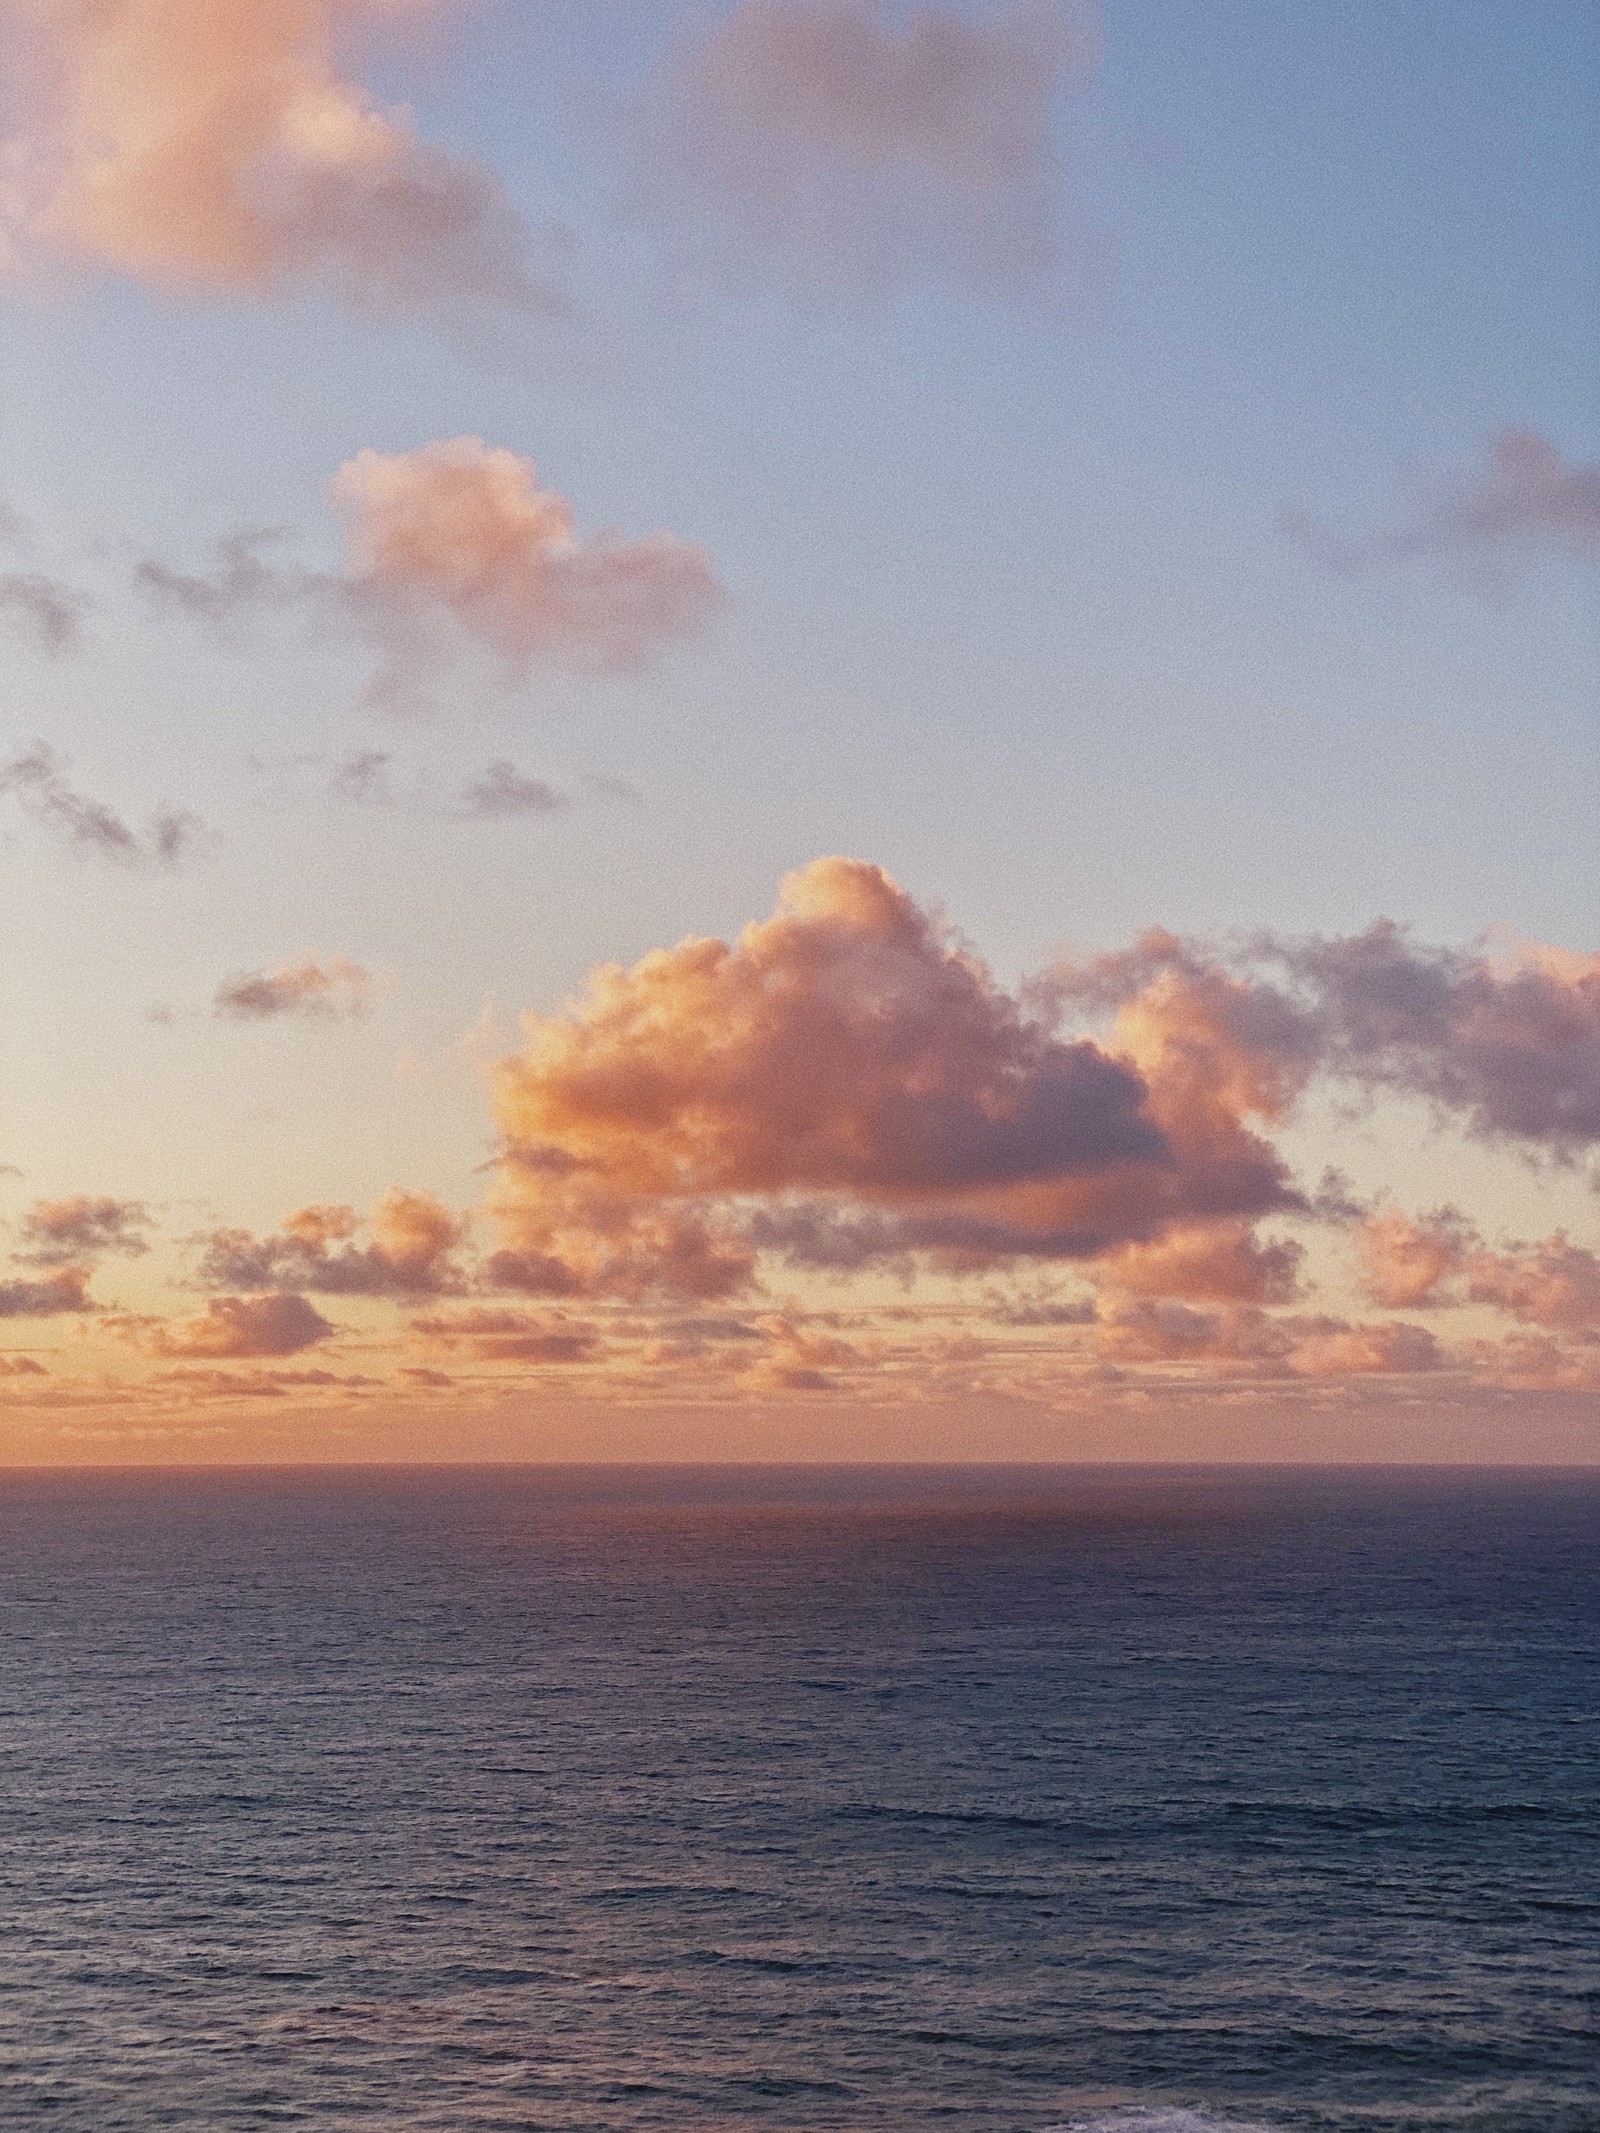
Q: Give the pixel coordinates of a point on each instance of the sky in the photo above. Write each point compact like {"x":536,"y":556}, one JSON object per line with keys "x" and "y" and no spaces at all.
{"x":799,"y":729}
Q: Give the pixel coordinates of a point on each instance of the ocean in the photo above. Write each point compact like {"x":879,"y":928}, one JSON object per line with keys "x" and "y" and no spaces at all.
{"x":1175,"y":1800}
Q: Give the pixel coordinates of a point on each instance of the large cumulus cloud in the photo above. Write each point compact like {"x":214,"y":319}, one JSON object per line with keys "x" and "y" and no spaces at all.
{"x":846,"y":1084}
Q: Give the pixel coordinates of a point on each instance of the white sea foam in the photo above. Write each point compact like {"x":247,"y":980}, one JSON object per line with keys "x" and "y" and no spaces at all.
{"x":1155,"y":2118}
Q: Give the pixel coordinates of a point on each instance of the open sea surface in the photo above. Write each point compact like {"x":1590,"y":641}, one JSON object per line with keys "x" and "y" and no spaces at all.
{"x":1162,"y":1800}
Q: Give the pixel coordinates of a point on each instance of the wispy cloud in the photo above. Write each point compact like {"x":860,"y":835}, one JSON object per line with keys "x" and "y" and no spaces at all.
{"x":38,"y":780}
{"x":333,"y":990}
{"x":1525,"y":501}
{"x":42,"y":608}
{"x":503,"y":793}
{"x":455,"y":548}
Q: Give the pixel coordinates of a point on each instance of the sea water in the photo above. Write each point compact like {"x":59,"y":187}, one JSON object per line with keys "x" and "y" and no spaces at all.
{"x":1162,"y":1801}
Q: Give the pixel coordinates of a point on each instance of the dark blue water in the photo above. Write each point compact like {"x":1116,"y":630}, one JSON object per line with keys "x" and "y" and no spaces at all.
{"x":574,"y":1800}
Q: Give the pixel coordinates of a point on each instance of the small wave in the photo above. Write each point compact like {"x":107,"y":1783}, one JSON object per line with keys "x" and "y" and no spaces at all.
{"x":1156,"y":2118}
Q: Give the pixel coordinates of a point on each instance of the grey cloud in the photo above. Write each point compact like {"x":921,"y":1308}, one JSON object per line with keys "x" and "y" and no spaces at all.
{"x":336,"y":990}
{"x":863,"y":147}
{"x":504,"y":794}
{"x":1525,"y":500}
{"x":37,"y":779}
{"x":59,"y":1232}
{"x":57,"y":1294}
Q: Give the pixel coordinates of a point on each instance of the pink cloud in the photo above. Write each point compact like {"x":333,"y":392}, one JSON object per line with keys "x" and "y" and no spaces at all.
{"x":1525,"y":500}
{"x":1404,"y":1262}
{"x":217,"y":147}
{"x":457,"y":541}
{"x":88,"y":827}
{"x":1555,"y":1284}
{"x":847,"y":1085}
{"x":866,"y":146}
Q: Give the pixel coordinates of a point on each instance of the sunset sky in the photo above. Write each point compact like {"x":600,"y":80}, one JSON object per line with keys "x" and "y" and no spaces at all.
{"x":811,"y":728}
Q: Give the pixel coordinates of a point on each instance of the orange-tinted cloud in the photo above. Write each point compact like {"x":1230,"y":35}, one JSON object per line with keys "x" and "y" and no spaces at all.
{"x":1524,"y":501}
{"x":1366,"y":1351}
{"x":793,"y":1358}
{"x":1223,"y":1262}
{"x":216,"y":147}
{"x":412,"y":1238}
{"x":334,"y":990}
{"x":57,"y":1293}
{"x":505,"y":1336}
{"x":1536,"y":1363}
{"x":457,"y":540}
{"x":845,"y":1085}
{"x":55,"y":1232}
{"x":868,"y":146}
{"x":1404,"y":1262}
{"x":251,"y":1384}
{"x":21,"y":1366}
{"x":1245,"y":1341}
{"x":238,"y":1328}
{"x":1555,"y":1284}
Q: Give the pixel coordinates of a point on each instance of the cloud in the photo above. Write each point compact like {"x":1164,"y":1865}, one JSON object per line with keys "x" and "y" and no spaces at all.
{"x":1367,"y":1351}
{"x":412,"y":1239}
{"x":238,"y":1328}
{"x":49,"y":613}
{"x":1443,"y":1260}
{"x":504,"y":1336}
{"x":62,"y":1291}
{"x":1525,"y":501}
{"x":1222,"y":1262}
{"x":866,"y":147}
{"x":335,"y":990}
{"x":1403,"y":1261}
{"x":795,"y":1359}
{"x":242,"y":583}
{"x":44,"y":610}
{"x":88,"y":827}
{"x":21,"y":1366}
{"x":453,"y":548}
{"x":456,"y":541}
{"x":364,"y":779}
{"x":1510,"y":1044}
{"x":216,"y":148}
{"x":847,"y":1084}
{"x":1507,"y":1042}
{"x":504,"y":794}
{"x":1555,"y":1284}
{"x":56,"y":1232}
{"x":1536,"y":1363}
{"x":1243,"y":1341}
{"x":250,"y":1384}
